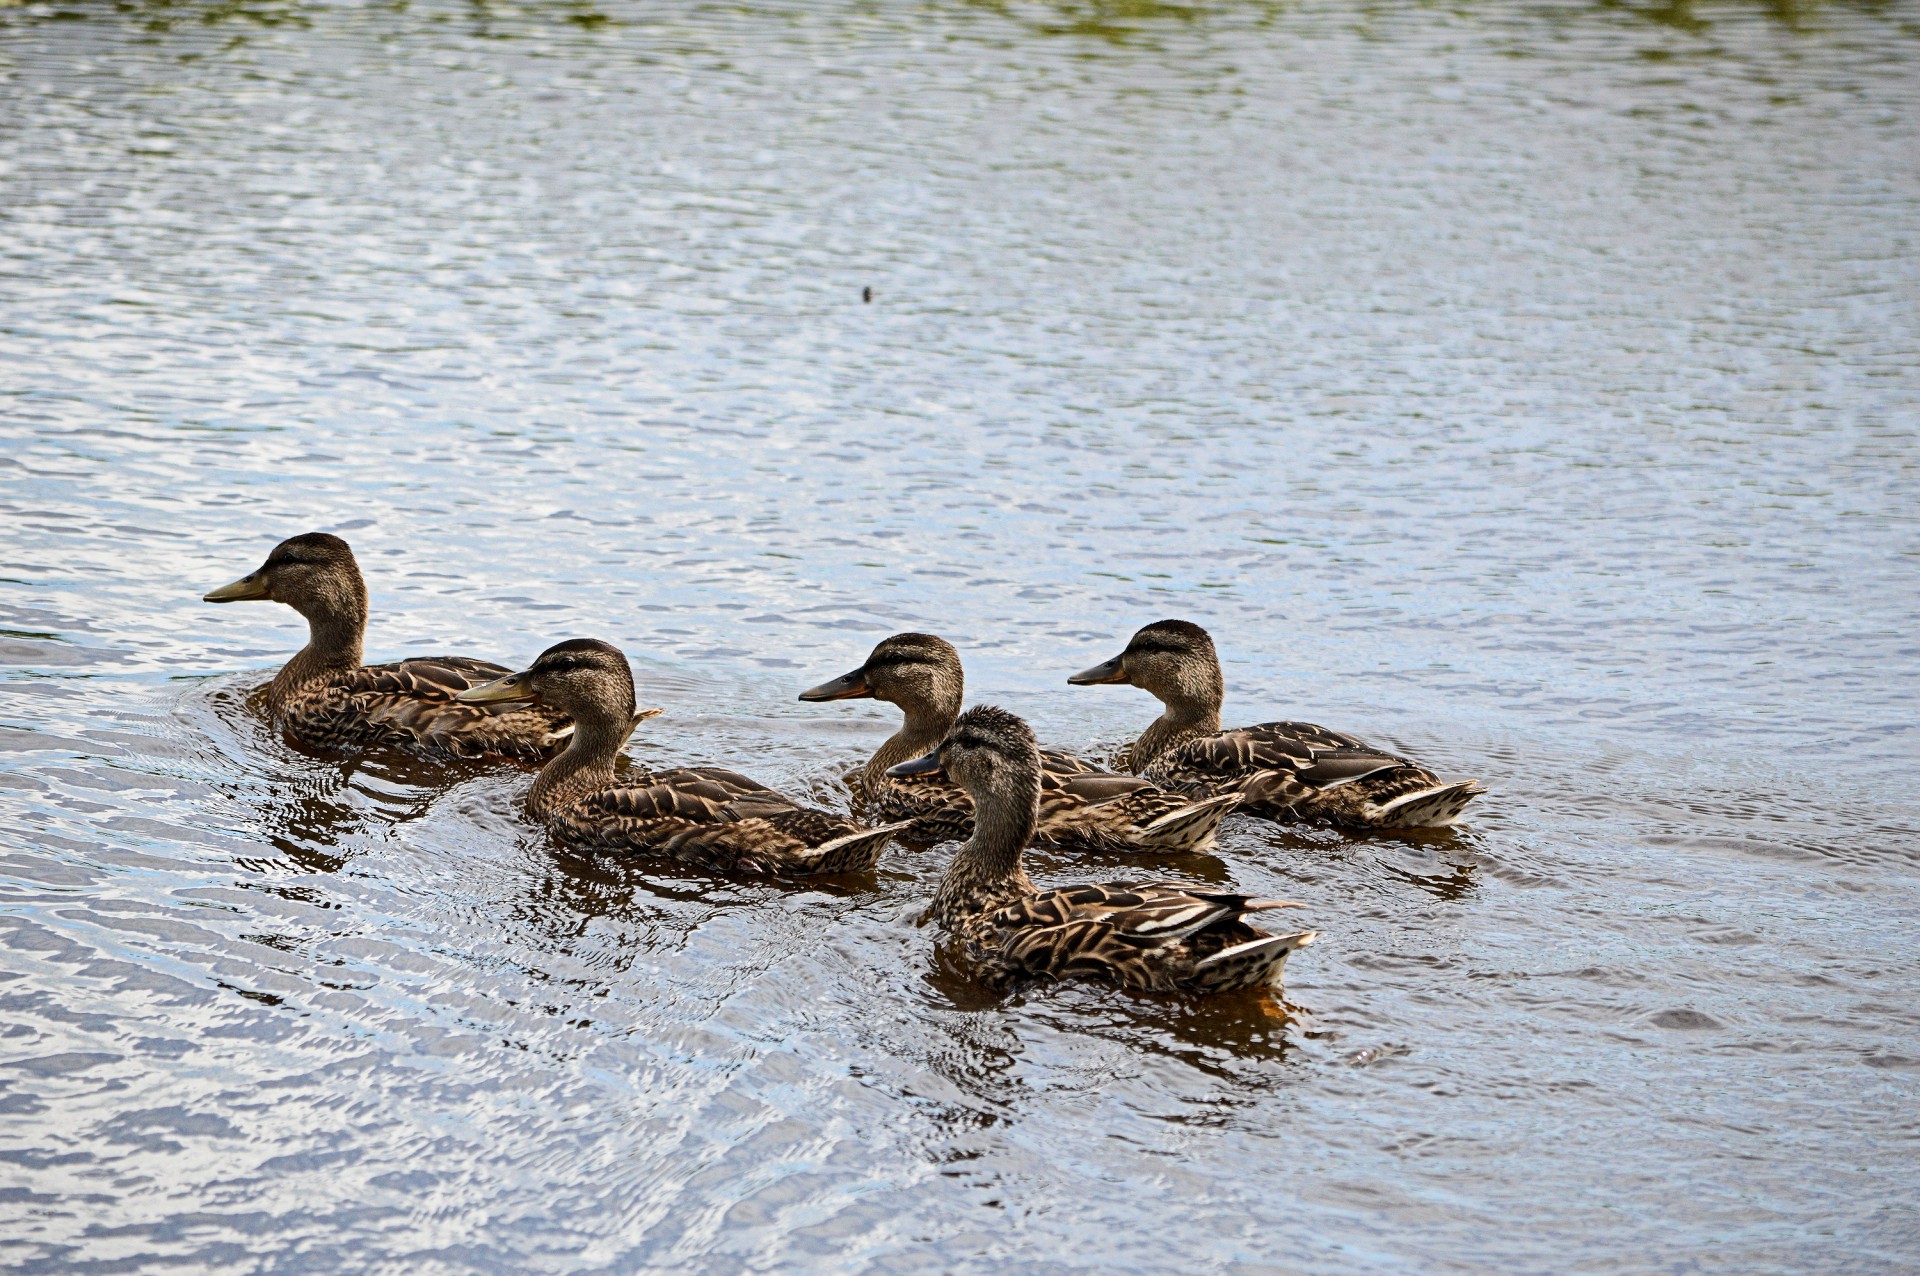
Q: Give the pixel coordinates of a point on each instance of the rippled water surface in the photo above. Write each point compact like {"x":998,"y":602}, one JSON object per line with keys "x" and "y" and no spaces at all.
{"x":1533,"y":387}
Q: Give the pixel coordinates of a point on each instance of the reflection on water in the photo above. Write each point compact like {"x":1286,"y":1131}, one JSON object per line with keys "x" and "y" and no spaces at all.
{"x":1531,"y":389}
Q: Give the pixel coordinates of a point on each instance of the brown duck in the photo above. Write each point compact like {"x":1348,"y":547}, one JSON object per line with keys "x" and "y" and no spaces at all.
{"x":1150,"y":936}
{"x":1283,"y":770}
{"x":326,"y":698}
{"x":1081,"y":806}
{"x":708,"y":817}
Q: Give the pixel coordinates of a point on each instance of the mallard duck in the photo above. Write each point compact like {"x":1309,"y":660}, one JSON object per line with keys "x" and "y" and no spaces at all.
{"x":325,"y":697}
{"x":1151,"y":936}
{"x":1284,"y":770}
{"x":1081,"y":805}
{"x":706,"y":816}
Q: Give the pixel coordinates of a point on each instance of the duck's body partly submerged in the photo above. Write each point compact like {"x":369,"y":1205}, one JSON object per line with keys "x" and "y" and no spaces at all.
{"x":1081,"y":806}
{"x":1281,"y":770}
{"x":1152,"y":936}
{"x":708,"y":817}
{"x":326,"y":698}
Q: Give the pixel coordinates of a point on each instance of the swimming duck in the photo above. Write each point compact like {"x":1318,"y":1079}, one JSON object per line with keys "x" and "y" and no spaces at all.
{"x":1165,"y":936}
{"x":1284,"y":770}
{"x":1081,"y":805}
{"x":325,"y":696}
{"x":705,"y":816}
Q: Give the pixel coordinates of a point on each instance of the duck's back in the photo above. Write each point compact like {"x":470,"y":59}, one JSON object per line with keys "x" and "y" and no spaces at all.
{"x":1248,"y":751}
{"x":410,"y":704}
{"x":717,"y":818}
{"x":1151,"y":936}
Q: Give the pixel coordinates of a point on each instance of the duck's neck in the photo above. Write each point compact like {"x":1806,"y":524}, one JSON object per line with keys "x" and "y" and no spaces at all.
{"x":986,"y":872}
{"x":1185,"y":718}
{"x":585,"y":765}
{"x":334,"y":638}
{"x":926,"y":726}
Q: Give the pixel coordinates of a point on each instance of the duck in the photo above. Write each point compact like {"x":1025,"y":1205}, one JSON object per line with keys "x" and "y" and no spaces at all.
{"x":703,"y":816}
{"x":1147,"y":936}
{"x":1283,"y":770}
{"x":327,"y":698}
{"x":1082,"y":807}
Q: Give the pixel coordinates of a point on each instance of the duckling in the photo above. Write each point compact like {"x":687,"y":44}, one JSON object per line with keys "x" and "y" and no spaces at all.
{"x":1081,"y":806}
{"x":1151,"y":936}
{"x":1284,"y":770}
{"x":704,"y":816}
{"x":325,"y":697}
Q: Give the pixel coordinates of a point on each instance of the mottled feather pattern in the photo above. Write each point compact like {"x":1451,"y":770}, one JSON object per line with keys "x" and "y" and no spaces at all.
{"x":1081,"y":808}
{"x":1300,"y":771}
{"x":409,"y":704}
{"x":718,"y":819}
{"x":1151,"y":936}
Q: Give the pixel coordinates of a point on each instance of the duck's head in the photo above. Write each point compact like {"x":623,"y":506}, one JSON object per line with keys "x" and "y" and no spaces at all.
{"x":1173,"y":659}
{"x":989,"y":752}
{"x":914,"y":671}
{"x":584,"y":678}
{"x":314,"y":574}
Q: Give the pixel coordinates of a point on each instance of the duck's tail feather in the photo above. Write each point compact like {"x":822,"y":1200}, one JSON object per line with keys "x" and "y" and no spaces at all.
{"x":1257,"y":961}
{"x":853,"y":853}
{"x":1429,"y":808}
{"x":1190,"y":828}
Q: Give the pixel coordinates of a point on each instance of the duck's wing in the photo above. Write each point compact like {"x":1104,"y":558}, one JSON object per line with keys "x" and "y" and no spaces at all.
{"x":427,"y":677}
{"x":1147,"y":911}
{"x":1292,"y":737}
{"x":1295,"y":770}
{"x":1092,"y":787}
{"x":1055,"y":762}
{"x":698,"y":815}
{"x":412,"y":702}
{"x":1313,"y":754}
{"x":936,"y":807}
{"x":1136,"y":933}
{"x":630,"y":806}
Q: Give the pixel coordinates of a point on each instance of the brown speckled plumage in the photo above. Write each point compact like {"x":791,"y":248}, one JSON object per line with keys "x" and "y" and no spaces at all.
{"x":326,"y":698}
{"x":1160,"y":936}
{"x":1082,"y":807}
{"x":1282,"y":770}
{"x":708,"y":817}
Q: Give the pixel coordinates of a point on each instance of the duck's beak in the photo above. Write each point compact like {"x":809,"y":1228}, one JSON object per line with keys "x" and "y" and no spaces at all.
{"x":252,"y":585}
{"x":848,"y":686}
{"x":642,"y":716}
{"x":515,"y":686}
{"x":1105,"y":671}
{"x":929,"y":765}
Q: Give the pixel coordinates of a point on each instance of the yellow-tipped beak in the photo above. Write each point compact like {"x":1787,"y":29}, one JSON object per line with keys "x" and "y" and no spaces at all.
{"x":515,"y":686}
{"x":252,"y":585}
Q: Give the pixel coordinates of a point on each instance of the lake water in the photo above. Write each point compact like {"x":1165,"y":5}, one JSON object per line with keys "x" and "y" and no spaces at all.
{"x":1533,"y":387}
